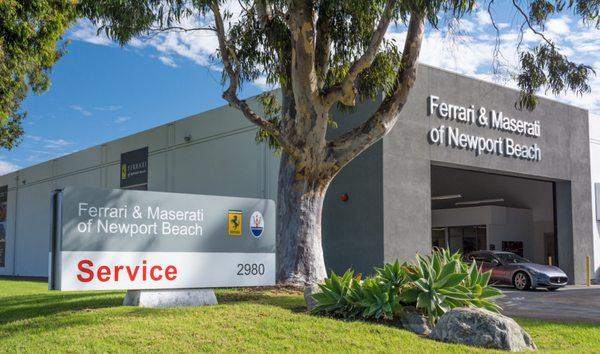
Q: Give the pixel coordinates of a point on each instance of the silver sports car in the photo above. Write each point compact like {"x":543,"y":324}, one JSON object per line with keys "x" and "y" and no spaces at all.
{"x":511,"y":269}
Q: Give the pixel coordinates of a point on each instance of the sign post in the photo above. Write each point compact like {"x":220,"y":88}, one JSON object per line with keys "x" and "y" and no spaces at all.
{"x":137,"y":240}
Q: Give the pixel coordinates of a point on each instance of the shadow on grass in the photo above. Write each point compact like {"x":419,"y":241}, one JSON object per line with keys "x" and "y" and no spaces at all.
{"x":294,"y":302}
{"x":16,"y":308}
{"x":291,"y":302}
{"x":24,"y":307}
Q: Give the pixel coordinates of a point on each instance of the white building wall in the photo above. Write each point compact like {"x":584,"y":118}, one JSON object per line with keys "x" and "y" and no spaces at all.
{"x":211,"y":153}
{"x":502,"y":223}
{"x":594,"y":122}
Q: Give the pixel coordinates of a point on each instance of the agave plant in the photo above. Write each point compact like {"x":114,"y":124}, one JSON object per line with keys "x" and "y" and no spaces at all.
{"x":393,"y":274}
{"x":374,"y":299}
{"x":442,"y":281}
{"x":434,"y":284}
{"x":333,"y":298}
{"x":481,"y":292}
{"x":349,"y":297}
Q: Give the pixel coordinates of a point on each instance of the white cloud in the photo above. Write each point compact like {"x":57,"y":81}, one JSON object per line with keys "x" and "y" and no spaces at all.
{"x":110,"y":108}
{"x":80,"y":110}
{"x":473,"y":53}
{"x":57,"y":143}
{"x":122,"y":119}
{"x":197,"y":46}
{"x":49,"y":143}
{"x":483,"y":17}
{"x":167,"y":61}
{"x":85,"y":31}
{"x":7,"y":167}
{"x":558,"y":26}
{"x":33,"y":137}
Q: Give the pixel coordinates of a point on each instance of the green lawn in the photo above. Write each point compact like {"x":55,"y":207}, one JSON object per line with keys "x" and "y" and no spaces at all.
{"x":33,"y":319}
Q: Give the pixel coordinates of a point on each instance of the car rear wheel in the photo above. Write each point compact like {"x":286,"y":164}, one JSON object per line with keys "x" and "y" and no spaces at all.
{"x":521,"y":281}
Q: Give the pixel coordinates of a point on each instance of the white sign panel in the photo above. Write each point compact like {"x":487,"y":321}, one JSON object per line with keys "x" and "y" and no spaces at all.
{"x":124,"y":239}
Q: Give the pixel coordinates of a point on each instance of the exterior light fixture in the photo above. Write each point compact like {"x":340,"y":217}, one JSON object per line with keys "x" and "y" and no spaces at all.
{"x":344,"y":197}
{"x":445,"y":197}
{"x":482,"y":201}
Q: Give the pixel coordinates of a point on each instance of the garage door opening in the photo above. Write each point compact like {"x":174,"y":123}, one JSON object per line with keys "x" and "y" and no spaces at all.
{"x":474,"y":211}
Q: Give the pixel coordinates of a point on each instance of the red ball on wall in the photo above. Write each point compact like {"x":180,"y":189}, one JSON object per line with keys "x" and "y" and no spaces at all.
{"x":344,"y":197}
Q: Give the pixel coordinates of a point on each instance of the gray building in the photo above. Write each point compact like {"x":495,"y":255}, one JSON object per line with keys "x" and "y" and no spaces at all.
{"x":462,"y":169}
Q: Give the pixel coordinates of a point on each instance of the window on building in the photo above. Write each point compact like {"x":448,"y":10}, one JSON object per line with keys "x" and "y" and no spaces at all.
{"x":461,"y":238}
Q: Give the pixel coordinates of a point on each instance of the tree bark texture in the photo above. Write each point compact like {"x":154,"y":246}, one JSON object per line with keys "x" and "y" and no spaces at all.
{"x":300,"y":203}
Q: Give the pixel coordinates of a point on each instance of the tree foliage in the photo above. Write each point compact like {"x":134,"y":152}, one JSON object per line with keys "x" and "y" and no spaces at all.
{"x":258,"y":41}
{"x":30,"y":31}
{"x":543,"y":66}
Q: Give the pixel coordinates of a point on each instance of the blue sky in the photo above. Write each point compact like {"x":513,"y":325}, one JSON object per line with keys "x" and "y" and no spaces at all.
{"x":101,"y":92}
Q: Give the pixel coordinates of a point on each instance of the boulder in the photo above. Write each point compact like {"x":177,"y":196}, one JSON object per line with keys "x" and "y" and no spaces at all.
{"x":481,"y":328}
{"x":411,"y":319}
{"x":309,"y":290}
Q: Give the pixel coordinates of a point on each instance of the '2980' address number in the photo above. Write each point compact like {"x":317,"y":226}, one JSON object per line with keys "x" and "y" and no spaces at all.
{"x":250,"y":269}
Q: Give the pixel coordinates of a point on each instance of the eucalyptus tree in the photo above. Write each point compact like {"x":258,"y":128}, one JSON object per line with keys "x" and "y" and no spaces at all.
{"x":325,"y":54}
{"x":30,"y":34}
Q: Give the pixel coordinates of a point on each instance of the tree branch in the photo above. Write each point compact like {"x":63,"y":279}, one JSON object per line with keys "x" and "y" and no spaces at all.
{"x":180,"y":29}
{"x":230,"y":94}
{"x":301,"y":25}
{"x":345,"y":92}
{"x":343,"y":149}
{"x":267,"y":24}
{"x":526,"y":18}
{"x":323,"y":45}
{"x":264,"y":13}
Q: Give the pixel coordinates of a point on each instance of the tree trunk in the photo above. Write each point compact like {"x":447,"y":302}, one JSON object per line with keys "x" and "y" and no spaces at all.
{"x":299,"y":207}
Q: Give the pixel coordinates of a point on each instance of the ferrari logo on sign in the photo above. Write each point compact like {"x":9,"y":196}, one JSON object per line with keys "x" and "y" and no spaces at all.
{"x":234,"y":223}
{"x":123,"y":171}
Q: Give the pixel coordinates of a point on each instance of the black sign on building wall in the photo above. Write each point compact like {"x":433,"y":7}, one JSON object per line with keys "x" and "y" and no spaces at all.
{"x":134,"y":169}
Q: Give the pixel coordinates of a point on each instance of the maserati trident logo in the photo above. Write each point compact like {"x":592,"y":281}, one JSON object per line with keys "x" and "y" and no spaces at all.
{"x":257,"y":224}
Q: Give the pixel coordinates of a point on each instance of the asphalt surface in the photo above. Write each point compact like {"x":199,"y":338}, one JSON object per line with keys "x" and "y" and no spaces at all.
{"x":571,"y":303}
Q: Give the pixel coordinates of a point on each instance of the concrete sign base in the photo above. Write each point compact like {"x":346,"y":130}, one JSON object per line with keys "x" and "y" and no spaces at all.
{"x":170,"y":298}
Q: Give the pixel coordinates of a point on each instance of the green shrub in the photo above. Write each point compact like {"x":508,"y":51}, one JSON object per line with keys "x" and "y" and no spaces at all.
{"x":393,"y":274}
{"x":442,"y":281}
{"x":334,"y":298}
{"x":348,"y":297}
{"x":375,"y":300}
{"x":434,"y":284}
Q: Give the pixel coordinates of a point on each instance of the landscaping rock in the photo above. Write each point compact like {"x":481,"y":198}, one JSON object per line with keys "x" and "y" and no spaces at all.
{"x":309,"y":290}
{"x":481,"y":328}
{"x":412,"y":320}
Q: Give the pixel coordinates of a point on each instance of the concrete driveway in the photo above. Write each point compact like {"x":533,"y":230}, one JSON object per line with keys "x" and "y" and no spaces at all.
{"x":571,"y":303}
